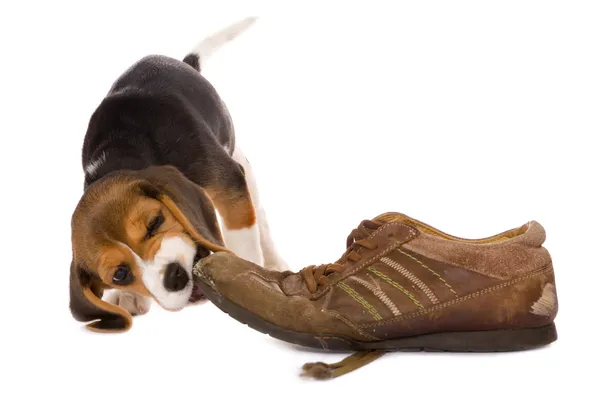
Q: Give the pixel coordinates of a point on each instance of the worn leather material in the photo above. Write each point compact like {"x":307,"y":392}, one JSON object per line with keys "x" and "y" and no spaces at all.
{"x":407,"y":281}
{"x":395,"y":288}
{"x":507,"y":305}
{"x":519,"y":255}
{"x":251,"y":287}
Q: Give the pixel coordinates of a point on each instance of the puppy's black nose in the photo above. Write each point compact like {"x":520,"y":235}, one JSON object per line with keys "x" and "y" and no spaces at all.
{"x":175,"y":277}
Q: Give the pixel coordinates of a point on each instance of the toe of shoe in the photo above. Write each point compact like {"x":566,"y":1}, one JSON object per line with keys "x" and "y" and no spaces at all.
{"x":222,"y":267}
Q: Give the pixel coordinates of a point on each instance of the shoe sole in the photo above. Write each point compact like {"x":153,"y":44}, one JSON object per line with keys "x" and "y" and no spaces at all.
{"x":503,"y":340}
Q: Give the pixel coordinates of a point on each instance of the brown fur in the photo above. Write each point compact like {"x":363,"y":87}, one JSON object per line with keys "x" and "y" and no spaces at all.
{"x":235,"y":207}
{"x":112,"y":217}
{"x":108,"y":261}
{"x":110,"y":308}
{"x":187,"y":225}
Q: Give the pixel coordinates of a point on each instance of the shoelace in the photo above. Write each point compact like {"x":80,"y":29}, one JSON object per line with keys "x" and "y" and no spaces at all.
{"x":321,"y":371}
{"x":318,"y":275}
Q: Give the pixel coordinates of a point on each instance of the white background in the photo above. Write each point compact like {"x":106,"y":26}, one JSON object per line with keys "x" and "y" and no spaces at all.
{"x":472,"y":116}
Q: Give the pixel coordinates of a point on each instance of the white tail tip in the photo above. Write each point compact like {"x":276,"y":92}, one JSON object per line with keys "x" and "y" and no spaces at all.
{"x":209,"y":45}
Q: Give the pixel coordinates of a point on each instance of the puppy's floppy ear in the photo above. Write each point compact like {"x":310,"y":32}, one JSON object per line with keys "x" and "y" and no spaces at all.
{"x":86,"y":304}
{"x":188,"y":203}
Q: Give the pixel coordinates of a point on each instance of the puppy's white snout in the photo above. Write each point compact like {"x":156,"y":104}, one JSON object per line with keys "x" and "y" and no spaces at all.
{"x":168,"y":276}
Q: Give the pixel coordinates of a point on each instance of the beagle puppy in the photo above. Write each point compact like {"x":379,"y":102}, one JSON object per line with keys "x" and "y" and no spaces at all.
{"x":161,"y":166}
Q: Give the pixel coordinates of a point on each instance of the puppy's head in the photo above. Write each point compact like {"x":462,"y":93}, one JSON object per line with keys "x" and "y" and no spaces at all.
{"x":142,"y":232}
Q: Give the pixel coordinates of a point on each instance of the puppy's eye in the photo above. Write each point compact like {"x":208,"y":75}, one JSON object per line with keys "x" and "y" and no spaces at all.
{"x":123,"y":275}
{"x":154,"y":225}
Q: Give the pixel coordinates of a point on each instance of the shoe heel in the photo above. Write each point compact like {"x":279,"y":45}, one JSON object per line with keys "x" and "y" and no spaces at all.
{"x":509,"y":340}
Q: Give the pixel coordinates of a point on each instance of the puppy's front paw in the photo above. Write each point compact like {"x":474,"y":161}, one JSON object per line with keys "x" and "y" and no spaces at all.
{"x":133,"y":303}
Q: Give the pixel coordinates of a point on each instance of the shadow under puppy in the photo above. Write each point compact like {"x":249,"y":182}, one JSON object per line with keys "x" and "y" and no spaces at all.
{"x":160,"y":162}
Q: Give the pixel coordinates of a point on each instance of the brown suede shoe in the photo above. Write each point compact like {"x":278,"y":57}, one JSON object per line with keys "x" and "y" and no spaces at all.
{"x":400,"y":285}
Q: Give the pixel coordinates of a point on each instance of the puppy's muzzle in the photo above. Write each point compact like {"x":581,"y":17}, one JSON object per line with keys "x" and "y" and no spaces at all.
{"x":176,"y":278}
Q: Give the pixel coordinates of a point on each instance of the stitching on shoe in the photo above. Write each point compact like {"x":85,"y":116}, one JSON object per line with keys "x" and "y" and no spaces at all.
{"x":376,"y":290}
{"x":460,"y":299}
{"x":430,"y":270}
{"x":360,"y":300}
{"x":259,"y":279}
{"x":396,"y":285}
{"x":337,"y":315}
{"x":411,"y":277}
{"x":263,"y":283}
{"x":282,"y":293}
{"x":272,"y":280}
{"x":257,"y":273}
{"x":396,"y":243}
{"x":327,"y":300}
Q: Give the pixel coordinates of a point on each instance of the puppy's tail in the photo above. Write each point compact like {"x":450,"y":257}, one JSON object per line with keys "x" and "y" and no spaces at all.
{"x":209,"y":45}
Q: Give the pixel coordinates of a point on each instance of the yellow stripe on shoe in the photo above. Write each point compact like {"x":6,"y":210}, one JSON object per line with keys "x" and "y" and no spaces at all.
{"x":411,"y":277}
{"x":396,"y":285}
{"x":377,"y":292}
{"x":430,"y":270}
{"x":361,"y":300}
